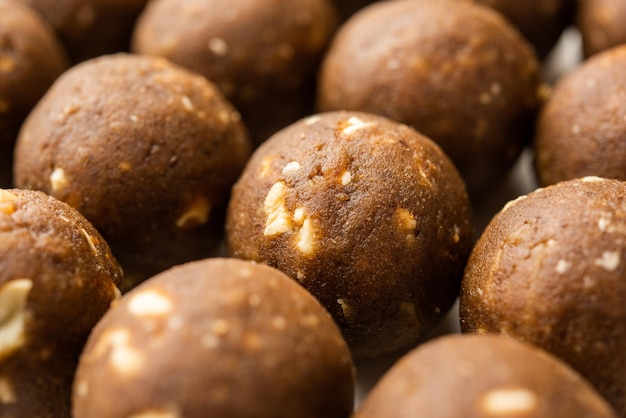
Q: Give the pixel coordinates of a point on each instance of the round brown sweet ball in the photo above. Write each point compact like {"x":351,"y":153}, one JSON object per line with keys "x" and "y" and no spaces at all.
{"x":90,"y":28}
{"x":57,"y":278}
{"x":455,"y":71}
{"x":550,"y":269}
{"x":542,"y":22}
{"x":31,"y":58}
{"x":145,"y":150}
{"x":581,"y":130}
{"x":367,"y":214}
{"x":601,"y":24}
{"x":482,"y":376}
{"x":220,"y":338}
{"x":263,"y":54}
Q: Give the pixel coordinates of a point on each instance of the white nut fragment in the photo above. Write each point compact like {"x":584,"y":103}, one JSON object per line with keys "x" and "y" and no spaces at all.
{"x":278,"y":219}
{"x":58,"y":180}
{"x":196,"y":214}
{"x":291,"y":167}
{"x":512,"y":203}
{"x":90,"y":240}
{"x":218,"y":46}
{"x":563,"y":266}
{"x":150,"y":303}
{"x":348,"y":313}
{"x":346,"y":178}
{"x":504,"y":402}
{"x":306,"y":238}
{"x":609,"y":261}
{"x":123,"y":358}
{"x":82,"y":388}
{"x":7,"y":200}
{"x":7,"y":393}
{"x":406,"y":220}
{"x":13,"y":314}
{"x":187,"y":103}
{"x":354,"y":124}
{"x":591,"y":179}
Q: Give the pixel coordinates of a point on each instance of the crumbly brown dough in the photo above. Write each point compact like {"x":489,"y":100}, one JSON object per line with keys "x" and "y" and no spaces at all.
{"x":57,"y":278}
{"x":263,"y":54}
{"x":550,"y":269}
{"x":601,"y":24}
{"x":367,"y":214}
{"x":542,"y":22}
{"x":219,"y":338}
{"x":145,"y":150}
{"x":482,"y":376}
{"x":31,"y":58}
{"x":455,"y":71}
{"x":581,"y":130}
{"x":90,"y":28}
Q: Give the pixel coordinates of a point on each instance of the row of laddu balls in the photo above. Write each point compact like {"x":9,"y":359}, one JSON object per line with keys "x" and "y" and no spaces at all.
{"x":365,"y":195}
{"x":267,"y":71}
{"x":232,"y":338}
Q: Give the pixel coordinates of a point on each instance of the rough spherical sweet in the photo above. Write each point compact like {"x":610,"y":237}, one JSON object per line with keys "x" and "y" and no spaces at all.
{"x":455,"y":71}
{"x":581,"y":129}
{"x":145,"y":150}
{"x":57,"y":278}
{"x":601,"y":24}
{"x":31,"y":58}
{"x":482,"y":376}
{"x":550,"y":269}
{"x":219,"y":338}
{"x":364,"y":212}
{"x":263,"y":54}
{"x":90,"y":28}
{"x":542,"y":22}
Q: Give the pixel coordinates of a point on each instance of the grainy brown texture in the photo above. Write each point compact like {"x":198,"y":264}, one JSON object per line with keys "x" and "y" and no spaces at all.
{"x":145,"y":150}
{"x":550,"y":269}
{"x":456,"y":72}
{"x":218,"y":338}
{"x":367,"y":214}
{"x":541,"y":21}
{"x":57,"y":278}
{"x":480,"y":376}
{"x":31,"y":58}
{"x":601,"y":23}
{"x":581,"y":131}
{"x":263,"y":54}
{"x":89,"y":28}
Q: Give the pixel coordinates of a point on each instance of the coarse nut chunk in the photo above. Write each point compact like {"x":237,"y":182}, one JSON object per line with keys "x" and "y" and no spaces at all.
{"x":145,"y":150}
{"x":57,"y":278}
{"x":482,"y":376}
{"x":219,"y":338}
{"x":367,"y":214}
{"x":550,"y":269}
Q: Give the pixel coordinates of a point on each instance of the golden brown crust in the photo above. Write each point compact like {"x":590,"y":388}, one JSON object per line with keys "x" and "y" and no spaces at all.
{"x":90,"y":28}
{"x":581,"y":129}
{"x":601,"y":23}
{"x":541,"y":21}
{"x":550,"y":269}
{"x":481,"y":376}
{"x":145,"y":150}
{"x":263,"y":54}
{"x":57,"y":278}
{"x":367,"y":214}
{"x":456,"y":72}
{"x":218,"y":338}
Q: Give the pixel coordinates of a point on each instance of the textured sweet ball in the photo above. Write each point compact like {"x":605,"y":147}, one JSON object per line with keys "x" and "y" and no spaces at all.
{"x":482,"y":376}
{"x":145,"y":150}
{"x":601,"y":24}
{"x":542,"y":22}
{"x":263,"y":54}
{"x":456,"y":72}
{"x":365,"y":213}
{"x":220,"y":338}
{"x":57,"y":278}
{"x":90,"y":28}
{"x":550,"y":269}
{"x":31,"y":58}
{"x":581,"y":129}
